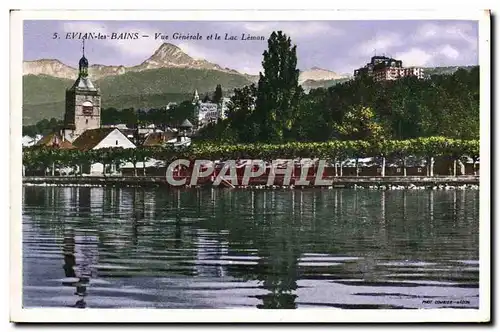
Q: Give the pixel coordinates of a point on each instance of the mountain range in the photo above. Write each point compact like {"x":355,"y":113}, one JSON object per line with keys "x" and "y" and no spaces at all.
{"x":168,"y":75}
{"x":166,"y":56}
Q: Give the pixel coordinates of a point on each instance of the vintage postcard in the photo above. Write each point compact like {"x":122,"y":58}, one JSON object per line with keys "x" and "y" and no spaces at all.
{"x":172,"y":165}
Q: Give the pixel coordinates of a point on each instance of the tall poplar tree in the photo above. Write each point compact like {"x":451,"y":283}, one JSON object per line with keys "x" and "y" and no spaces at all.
{"x":218,"y":94}
{"x":278,"y":90}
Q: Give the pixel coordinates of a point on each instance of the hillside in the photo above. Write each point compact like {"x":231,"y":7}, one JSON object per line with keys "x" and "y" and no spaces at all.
{"x":167,"y":75}
{"x":168,"y":80}
{"x":429,"y":71}
{"x":318,"y":75}
{"x":39,"y":89}
{"x":314,"y":84}
{"x":43,"y":96}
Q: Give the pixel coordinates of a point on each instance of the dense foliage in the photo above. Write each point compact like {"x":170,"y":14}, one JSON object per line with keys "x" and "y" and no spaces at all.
{"x":43,"y":96}
{"x":42,"y":127}
{"x":278,"y":111}
{"x":337,"y":151}
{"x":446,"y":105}
{"x":161,"y":117}
{"x":158,"y":116}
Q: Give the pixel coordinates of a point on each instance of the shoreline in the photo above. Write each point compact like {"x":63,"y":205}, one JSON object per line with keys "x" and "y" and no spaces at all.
{"x":366,"y":182}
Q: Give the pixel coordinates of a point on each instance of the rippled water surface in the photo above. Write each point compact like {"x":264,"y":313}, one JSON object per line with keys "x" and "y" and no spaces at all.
{"x":218,"y":248}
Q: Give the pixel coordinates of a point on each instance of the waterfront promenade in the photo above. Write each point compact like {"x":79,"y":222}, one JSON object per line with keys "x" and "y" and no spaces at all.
{"x":336,"y":181}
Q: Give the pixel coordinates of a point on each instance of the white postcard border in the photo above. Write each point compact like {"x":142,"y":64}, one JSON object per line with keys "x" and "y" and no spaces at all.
{"x":18,"y":314}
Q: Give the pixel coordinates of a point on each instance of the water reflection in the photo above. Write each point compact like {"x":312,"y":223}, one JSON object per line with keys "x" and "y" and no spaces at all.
{"x":80,"y":258}
{"x":136,"y":247}
{"x":278,"y":266}
{"x":69,"y":270}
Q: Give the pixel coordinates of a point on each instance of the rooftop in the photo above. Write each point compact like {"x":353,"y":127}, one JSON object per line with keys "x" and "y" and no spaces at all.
{"x":56,"y":141}
{"x":84,"y":83}
{"x":90,"y":138}
{"x":156,"y":139}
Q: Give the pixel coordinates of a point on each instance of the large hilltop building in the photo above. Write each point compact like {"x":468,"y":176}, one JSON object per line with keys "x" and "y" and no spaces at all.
{"x":83,"y":104}
{"x":383,"y":68}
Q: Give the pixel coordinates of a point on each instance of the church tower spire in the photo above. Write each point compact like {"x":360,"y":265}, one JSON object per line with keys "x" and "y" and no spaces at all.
{"x":83,"y":65}
{"x":83,"y":103}
{"x":196,"y":97}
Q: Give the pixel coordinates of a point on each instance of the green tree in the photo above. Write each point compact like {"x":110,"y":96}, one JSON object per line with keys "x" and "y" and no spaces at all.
{"x":471,"y":149}
{"x":218,"y":94}
{"x":312,"y":122}
{"x":360,"y":123}
{"x":278,"y":90}
{"x":179,"y":113}
{"x":111,"y":116}
{"x":30,"y":131}
{"x":239,"y":114}
{"x":129,"y":117}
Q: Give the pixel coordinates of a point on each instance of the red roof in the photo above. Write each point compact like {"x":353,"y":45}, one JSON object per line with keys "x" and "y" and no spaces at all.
{"x":56,"y":141}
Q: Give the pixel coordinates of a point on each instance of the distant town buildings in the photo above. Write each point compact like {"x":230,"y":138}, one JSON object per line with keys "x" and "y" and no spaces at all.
{"x":383,"y":68}
{"x":55,"y":140}
{"x":171,"y":105}
{"x":82,"y":129}
{"x":209,"y":112}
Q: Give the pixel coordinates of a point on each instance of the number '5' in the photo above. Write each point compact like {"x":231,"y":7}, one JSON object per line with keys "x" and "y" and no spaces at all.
{"x":55,"y":35}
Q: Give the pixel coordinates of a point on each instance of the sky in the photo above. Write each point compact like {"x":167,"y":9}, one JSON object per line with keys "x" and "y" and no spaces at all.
{"x":339,"y":46}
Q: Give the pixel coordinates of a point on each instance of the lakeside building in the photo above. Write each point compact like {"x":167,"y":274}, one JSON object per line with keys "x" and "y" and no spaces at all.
{"x":383,"y":68}
{"x":82,"y":117}
{"x":82,"y":128}
{"x":100,"y":138}
{"x":178,"y":137}
{"x":91,"y":139}
{"x":130,"y":133}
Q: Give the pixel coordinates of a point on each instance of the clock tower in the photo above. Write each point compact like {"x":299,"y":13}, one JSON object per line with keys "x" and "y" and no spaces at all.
{"x":83,"y":103}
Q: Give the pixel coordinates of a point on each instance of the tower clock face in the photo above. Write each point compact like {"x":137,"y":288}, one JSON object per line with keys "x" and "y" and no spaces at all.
{"x":87,"y":108}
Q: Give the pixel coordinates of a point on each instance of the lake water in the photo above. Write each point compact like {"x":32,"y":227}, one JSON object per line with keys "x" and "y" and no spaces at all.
{"x":221,"y":248}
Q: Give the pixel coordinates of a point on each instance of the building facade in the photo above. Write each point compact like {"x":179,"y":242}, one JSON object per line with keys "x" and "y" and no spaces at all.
{"x":100,"y":138}
{"x":209,"y":112}
{"x":383,"y":68}
{"x":83,"y":104}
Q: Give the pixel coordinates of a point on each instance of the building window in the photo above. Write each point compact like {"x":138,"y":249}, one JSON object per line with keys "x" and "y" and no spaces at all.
{"x":116,"y":142}
{"x":86,"y":121}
